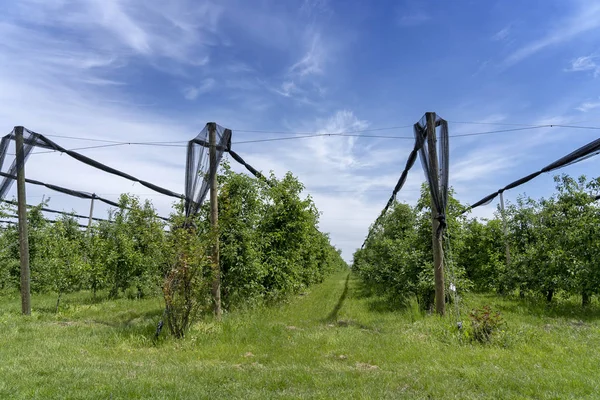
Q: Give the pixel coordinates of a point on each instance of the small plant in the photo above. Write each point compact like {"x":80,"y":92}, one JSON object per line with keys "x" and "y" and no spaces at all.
{"x":484,"y":322}
{"x":185,"y":289}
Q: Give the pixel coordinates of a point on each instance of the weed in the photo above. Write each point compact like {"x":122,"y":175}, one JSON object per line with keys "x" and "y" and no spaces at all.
{"x":484,"y":323}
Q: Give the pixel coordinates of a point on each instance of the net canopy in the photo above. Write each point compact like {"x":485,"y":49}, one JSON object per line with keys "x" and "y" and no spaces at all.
{"x":584,"y":152}
{"x":435,"y":167}
{"x":9,"y":167}
{"x":70,"y":192}
{"x":439,"y":189}
{"x":197,"y":173}
{"x":197,"y":169}
{"x":32,"y":139}
{"x":52,"y":211}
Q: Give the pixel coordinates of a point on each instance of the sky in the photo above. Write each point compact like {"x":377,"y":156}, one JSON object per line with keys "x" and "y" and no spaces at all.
{"x":150,"y":70}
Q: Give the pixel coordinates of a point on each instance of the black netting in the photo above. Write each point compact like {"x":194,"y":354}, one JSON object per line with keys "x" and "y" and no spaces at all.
{"x":439,"y":189}
{"x":249,"y":167}
{"x":49,"y":210}
{"x":32,"y":139}
{"x":409,"y":164}
{"x":29,"y":140}
{"x":197,"y":177}
{"x":70,"y":192}
{"x":51,"y":221}
{"x":584,"y":152}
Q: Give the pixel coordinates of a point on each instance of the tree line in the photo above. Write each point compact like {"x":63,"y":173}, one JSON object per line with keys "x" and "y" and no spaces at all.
{"x":270,"y":247}
{"x":553,"y":247}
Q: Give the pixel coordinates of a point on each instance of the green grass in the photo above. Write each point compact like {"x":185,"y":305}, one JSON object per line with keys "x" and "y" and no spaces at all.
{"x":335,"y":341}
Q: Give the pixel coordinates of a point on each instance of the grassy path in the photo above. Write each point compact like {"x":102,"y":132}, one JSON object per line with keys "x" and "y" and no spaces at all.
{"x":333,"y":342}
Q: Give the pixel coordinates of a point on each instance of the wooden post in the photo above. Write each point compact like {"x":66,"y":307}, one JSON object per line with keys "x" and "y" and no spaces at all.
{"x":23,"y":235}
{"x":214,"y":218}
{"x":505,"y":228}
{"x":438,"y":250}
{"x":91,"y":213}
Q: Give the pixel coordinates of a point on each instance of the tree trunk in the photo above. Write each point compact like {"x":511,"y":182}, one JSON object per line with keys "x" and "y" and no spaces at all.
{"x":549,"y":295}
{"x":57,"y":302}
{"x":585,"y":299}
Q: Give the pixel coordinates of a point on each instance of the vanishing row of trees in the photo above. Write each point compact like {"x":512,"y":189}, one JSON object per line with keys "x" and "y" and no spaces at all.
{"x":270,"y":247}
{"x":553,"y":247}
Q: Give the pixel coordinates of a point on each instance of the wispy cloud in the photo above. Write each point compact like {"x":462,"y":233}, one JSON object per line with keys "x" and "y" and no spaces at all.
{"x":171,"y":31}
{"x":312,"y":61}
{"x":501,"y":34}
{"x":339,"y":154}
{"x":585,"y":18}
{"x":288,"y":88}
{"x":192,"y":92}
{"x":302,"y":80}
{"x":585,"y":63}
{"x":349,"y":178}
{"x":588,"y":106}
{"x":482,"y":163}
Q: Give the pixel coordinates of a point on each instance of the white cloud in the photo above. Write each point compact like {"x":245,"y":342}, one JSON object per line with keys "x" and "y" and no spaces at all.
{"x":501,"y":34}
{"x":483,"y":162}
{"x":302,"y":79}
{"x":150,"y":29}
{"x":585,"y":19}
{"x":585,"y":63}
{"x":287,"y":89}
{"x":349,"y":178}
{"x":337,"y":154}
{"x":192,"y":92}
{"x":312,"y":61}
{"x":111,"y":16}
{"x":588,"y":105}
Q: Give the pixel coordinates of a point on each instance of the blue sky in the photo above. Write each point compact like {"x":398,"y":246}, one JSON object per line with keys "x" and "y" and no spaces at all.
{"x":155,"y":71}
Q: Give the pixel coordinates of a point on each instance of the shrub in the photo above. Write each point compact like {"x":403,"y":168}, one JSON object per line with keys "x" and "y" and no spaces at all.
{"x":484,"y":322}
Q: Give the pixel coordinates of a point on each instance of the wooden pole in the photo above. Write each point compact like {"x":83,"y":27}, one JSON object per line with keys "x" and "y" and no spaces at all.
{"x":91,"y":213}
{"x":23,"y":235}
{"x":438,"y":250}
{"x":214,"y":218}
{"x":505,"y":229}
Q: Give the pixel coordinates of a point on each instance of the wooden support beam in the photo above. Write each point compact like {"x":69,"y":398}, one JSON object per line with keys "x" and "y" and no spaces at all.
{"x":438,"y":250}
{"x":23,"y":234}
{"x":214,"y":219}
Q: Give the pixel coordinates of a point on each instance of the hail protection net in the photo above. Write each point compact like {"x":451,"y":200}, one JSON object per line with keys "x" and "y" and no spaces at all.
{"x":439,"y":190}
{"x":8,"y":161}
{"x":583,"y":153}
{"x":435,"y":166}
{"x":9,"y":167}
{"x":32,"y":139}
{"x":409,"y":164}
{"x":197,"y":170}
